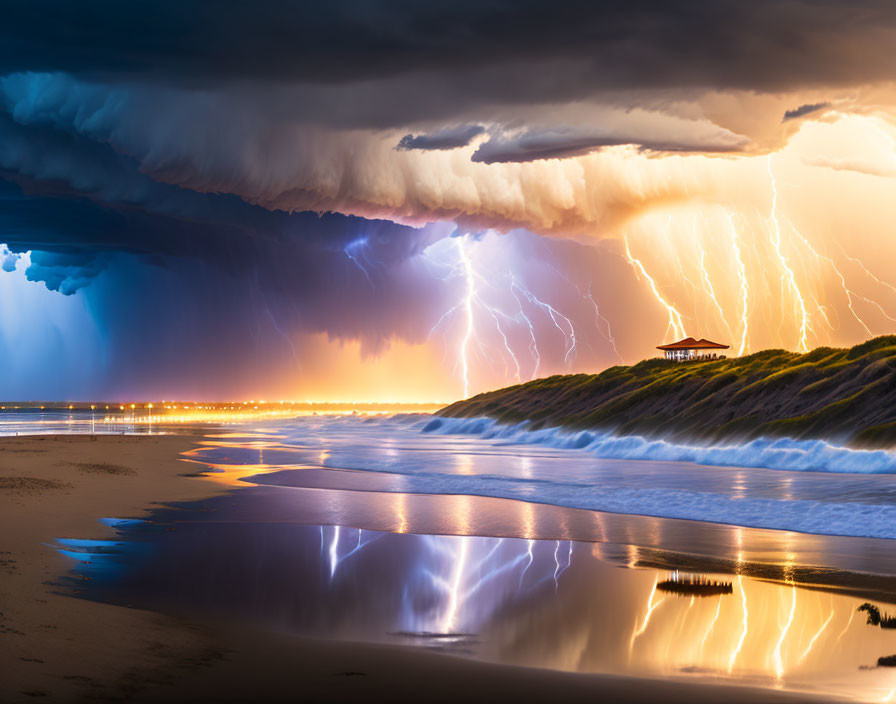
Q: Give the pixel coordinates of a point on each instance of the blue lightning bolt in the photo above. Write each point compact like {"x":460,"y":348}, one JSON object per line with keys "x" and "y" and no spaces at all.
{"x":531,"y":545}
{"x":334,"y":558}
{"x":356,"y":252}
{"x":480,"y":300}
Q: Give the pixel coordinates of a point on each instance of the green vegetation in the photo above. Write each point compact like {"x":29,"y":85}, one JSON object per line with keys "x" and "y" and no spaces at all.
{"x":846,"y":395}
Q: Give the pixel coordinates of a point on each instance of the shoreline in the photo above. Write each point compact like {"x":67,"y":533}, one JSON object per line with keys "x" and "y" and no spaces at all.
{"x":843,"y":393}
{"x":59,"y":486}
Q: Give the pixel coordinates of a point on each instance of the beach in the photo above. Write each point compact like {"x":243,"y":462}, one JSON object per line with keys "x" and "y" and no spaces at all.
{"x":54,"y":649}
{"x":62,"y":485}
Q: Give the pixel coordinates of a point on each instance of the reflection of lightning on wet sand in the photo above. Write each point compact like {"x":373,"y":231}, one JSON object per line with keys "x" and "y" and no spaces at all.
{"x":776,"y":653}
{"x":651,"y":607}
{"x":818,"y":633}
{"x":743,"y":634}
{"x":712,"y":625}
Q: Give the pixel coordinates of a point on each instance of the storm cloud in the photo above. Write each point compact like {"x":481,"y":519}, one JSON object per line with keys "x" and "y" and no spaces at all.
{"x":804,"y":110}
{"x":559,"y":143}
{"x":292,"y":162}
{"x":763,"y":45}
{"x":450,"y":138}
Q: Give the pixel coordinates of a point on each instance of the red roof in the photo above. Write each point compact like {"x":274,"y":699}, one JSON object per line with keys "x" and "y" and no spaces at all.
{"x":689,"y":343}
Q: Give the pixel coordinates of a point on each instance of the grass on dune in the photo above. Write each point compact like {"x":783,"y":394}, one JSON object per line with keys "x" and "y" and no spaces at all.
{"x":845,"y":394}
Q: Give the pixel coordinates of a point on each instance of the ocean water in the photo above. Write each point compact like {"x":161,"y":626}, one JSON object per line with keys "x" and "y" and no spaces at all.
{"x":803,"y":486}
{"x":393,"y":530}
{"x":35,"y":420}
{"x":558,"y":604}
{"x":776,"y":453}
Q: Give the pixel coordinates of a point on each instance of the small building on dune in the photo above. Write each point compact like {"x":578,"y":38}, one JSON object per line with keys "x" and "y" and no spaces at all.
{"x":691,"y":349}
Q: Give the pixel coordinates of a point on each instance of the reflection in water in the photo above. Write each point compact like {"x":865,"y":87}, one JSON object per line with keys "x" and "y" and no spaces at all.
{"x":694,"y":585}
{"x":527,"y":602}
{"x":345,"y":530}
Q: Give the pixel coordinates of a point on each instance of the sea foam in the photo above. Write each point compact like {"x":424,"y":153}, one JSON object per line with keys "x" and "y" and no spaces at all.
{"x":768,"y":453}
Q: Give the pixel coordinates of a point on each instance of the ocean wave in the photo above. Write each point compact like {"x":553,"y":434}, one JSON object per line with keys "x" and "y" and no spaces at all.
{"x":766,"y":453}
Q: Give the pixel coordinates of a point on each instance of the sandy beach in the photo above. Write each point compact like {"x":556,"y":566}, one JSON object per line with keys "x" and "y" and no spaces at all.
{"x":54,"y":649}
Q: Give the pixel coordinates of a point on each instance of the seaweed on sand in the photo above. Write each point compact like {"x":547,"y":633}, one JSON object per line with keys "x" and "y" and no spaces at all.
{"x":694,"y":585}
{"x":877,"y":618}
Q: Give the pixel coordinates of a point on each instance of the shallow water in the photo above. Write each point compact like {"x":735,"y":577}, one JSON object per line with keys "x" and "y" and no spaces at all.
{"x":559,"y":604}
{"x":421,"y":462}
{"x":369,"y":529}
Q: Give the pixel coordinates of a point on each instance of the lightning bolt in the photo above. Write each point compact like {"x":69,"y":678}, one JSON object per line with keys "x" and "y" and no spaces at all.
{"x":334,"y":551}
{"x":352,"y":250}
{"x":557,"y":569}
{"x":599,"y":318}
{"x":707,"y":286}
{"x":496,"y":315}
{"x":556,"y":563}
{"x":531,"y":545}
{"x":675,"y":323}
{"x":789,"y":276}
{"x":846,"y":290}
{"x":852,"y":614}
{"x":474,"y":303}
{"x":651,"y":607}
{"x":468,"y":314}
{"x":776,"y":653}
{"x":867,"y":271}
{"x":712,"y":625}
{"x":745,"y":621}
{"x":568,"y":560}
{"x":455,"y":585}
{"x":820,"y":631}
{"x":555,"y":316}
{"x":533,"y":342}
{"x":744,"y":285}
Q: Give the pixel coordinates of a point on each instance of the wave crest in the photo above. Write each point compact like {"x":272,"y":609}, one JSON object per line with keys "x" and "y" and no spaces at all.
{"x":766,"y":453}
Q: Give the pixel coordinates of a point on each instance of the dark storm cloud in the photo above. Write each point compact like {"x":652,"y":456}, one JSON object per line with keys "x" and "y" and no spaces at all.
{"x":88,"y":212}
{"x":64,"y":193}
{"x":555,"y":143}
{"x":347,"y":277}
{"x":804,"y":110}
{"x":764,"y":45}
{"x":450,"y":138}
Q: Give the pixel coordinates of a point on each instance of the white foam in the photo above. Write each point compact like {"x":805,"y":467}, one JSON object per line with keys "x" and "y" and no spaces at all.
{"x":814,"y":486}
{"x":768,"y":453}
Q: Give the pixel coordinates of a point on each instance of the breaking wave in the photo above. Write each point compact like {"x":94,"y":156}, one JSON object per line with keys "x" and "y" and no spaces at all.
{"x":767,"y":453}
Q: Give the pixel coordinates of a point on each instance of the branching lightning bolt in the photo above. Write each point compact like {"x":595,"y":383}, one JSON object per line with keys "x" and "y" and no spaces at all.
{"x":468,"y":314}
{"x":846,"y":290}
{"x":818,"y":633}
{"x":675,"y":323}
{"x":707,"y":286}
{"x":744,"y":285}
{"x":776,"y":653}
{"x":474,"y":303}
{"x":743,"y":633}
{"x":789,"y":276}
{"x":651,"y":607}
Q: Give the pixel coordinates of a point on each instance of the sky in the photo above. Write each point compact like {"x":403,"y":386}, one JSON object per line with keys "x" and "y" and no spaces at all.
{"x":404,"y":201}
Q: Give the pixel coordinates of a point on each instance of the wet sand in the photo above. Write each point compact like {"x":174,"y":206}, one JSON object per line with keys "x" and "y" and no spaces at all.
{"x":57,"y":647}
{"x":60,"y":648}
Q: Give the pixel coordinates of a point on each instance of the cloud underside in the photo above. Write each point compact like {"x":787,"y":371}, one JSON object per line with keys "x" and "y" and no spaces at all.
{"x":221,"y":133}
{"x":449,"y":138}
{"x":560,"y":144}
{"x":804,"y":110}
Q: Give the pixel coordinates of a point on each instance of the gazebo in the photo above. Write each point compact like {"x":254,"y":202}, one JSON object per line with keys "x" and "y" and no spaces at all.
{"x":690,"y":349}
